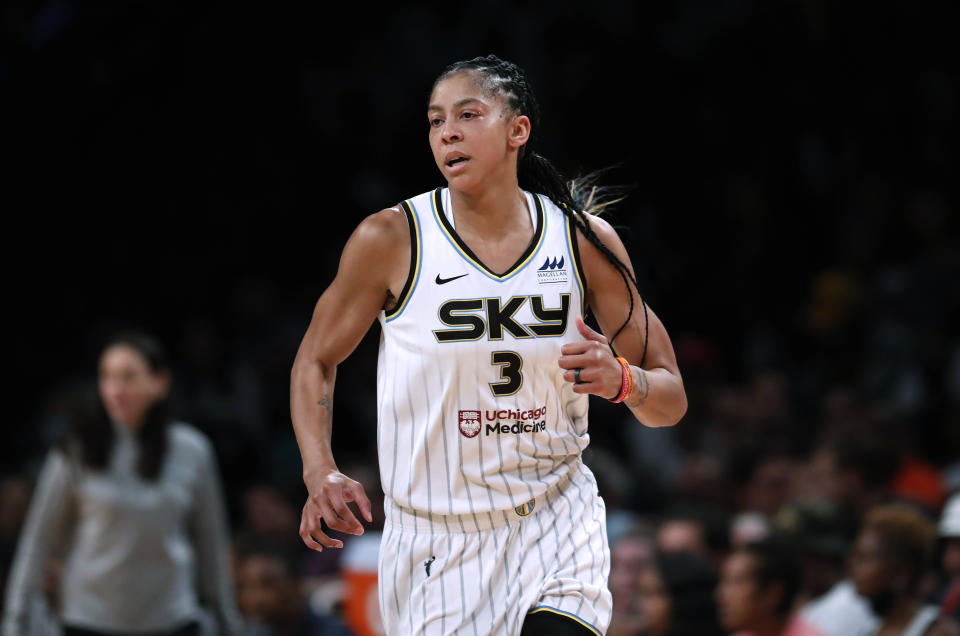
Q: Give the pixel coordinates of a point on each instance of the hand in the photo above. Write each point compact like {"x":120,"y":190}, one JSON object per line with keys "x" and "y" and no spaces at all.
{"x":327,"y":500}
{"x":600,"y":373}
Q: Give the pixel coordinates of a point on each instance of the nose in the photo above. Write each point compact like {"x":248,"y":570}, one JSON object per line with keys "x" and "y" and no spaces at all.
{"x":451,"y":132}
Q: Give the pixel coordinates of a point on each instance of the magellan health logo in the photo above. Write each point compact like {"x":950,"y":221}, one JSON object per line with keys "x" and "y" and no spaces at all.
{"x":469,"y":423}
{"x":552,"y":271}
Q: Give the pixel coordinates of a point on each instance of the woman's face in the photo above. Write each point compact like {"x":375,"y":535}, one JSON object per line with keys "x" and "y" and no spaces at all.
{"x":869,"y":566}
{"x":736,"y":595}
{"x":654,"y":602}
{"x":629,"y":559}
{"x":128,"y":386}
{"x":473,"y":135}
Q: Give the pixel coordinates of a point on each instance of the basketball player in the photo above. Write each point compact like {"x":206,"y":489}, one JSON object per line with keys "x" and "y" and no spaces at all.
{"x":493,"y":523}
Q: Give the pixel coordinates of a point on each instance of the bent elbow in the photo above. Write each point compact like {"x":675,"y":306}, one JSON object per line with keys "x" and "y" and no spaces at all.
{"x":681,"y":410}
{"x":675,"y":414}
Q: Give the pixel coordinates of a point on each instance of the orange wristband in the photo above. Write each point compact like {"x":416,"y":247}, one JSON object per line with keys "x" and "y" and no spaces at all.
{"x":626,"y":381}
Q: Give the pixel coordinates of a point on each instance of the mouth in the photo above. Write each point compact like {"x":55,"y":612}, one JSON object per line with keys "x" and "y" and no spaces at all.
{"x":455,"y":160}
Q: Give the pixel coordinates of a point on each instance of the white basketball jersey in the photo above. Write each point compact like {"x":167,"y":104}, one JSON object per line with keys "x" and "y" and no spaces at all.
{"x":474,"y":413}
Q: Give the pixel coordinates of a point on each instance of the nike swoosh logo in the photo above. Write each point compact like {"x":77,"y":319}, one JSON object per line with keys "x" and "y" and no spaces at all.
{"x":441,"y":281}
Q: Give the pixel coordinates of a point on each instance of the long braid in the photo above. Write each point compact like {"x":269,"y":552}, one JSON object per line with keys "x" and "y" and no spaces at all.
{"x":535,"y":172}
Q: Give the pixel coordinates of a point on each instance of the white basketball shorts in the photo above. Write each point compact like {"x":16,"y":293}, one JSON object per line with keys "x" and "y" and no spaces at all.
{"x":481,"y":574}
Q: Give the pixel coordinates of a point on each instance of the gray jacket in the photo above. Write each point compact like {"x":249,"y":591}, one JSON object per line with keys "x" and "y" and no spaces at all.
{"x":137,"y":555}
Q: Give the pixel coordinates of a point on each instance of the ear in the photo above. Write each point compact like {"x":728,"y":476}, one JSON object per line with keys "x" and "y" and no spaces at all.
{"x":518,"y":132}
{"x":161,"y":384}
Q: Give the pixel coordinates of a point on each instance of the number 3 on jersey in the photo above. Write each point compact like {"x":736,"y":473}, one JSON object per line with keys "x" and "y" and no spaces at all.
{"x":510,"y":364}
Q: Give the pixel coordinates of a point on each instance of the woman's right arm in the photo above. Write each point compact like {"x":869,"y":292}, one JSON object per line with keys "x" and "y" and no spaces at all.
{"x":373,"y":267}
{"x":47,"y":526}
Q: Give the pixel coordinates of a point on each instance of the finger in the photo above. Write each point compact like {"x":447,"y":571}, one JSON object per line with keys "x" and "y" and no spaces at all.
{"x":586,"y":376}
{"x":573,"y":348}
{"x":318,"y":536}
{"x":326,"y":512}
{"x":589,"y":333}
{"x":310,"y":529}
{"x":579,"y":361}
{"x":341,"y":517}
{"x":591,"y":388}
{"x":347,"y":520}
{"x":309,"y":540}
{"x":359,"y":495}
{"x":317,"y":532}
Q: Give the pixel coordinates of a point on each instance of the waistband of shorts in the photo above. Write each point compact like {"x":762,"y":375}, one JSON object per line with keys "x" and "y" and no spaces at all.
{"x":406,"y":518}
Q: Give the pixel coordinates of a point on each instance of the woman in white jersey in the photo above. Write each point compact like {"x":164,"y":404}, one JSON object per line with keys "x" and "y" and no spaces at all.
{"x":493,"y":523}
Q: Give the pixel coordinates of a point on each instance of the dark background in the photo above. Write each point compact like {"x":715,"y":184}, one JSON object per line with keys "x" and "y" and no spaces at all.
{"x":195,"y":169}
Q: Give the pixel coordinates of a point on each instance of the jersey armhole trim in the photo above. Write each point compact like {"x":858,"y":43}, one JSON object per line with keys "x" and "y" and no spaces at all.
{"x":560,"y":612}
{"x":577,"y":265}
{"x":415,"y":255}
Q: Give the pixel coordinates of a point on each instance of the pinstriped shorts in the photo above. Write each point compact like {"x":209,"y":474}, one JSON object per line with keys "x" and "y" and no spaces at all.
{"x":481,"y":574}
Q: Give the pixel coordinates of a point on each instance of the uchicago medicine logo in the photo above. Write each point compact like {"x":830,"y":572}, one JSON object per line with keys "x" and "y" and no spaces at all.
{"x":530,"y":421}
{"x":469,"y":423}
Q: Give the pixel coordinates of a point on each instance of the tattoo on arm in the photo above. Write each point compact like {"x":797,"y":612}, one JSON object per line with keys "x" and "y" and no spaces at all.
{"x":641,"y":391}
{"x":325,"y":403}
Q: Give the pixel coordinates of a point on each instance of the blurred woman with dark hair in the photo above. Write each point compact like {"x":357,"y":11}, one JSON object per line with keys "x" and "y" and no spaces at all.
{"x":133,"y":502}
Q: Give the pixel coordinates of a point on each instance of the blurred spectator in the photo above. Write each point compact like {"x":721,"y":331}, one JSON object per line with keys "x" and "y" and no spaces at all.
{"x":839,"y":612}
{"x":863,"y":465}
{"x":271,"y":598}
{"x":135,"y":502}
{"x":888,"y":561}
{"x":630,"y":557}
{"x":268,"y":515}
{"x":821,"y":539}
{"x":14,"y":500}
{"x":746,"y":527}
{"x":758,"y":585}
{"x":696,"y":528}
{"x":949,"y":531}
{"x":677,"y":596}
{"x":828,"y":604}
{"x":764,"y":475}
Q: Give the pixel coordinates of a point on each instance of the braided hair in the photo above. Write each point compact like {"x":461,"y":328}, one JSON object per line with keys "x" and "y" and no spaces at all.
{"x":536,"y":173}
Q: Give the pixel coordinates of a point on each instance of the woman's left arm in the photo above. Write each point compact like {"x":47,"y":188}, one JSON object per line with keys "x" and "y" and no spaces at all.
{"x":212,"y":543}
{"x":657,"y":397}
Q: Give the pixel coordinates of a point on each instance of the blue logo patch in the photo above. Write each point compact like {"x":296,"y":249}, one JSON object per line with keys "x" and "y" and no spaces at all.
{"x":552,"y":271}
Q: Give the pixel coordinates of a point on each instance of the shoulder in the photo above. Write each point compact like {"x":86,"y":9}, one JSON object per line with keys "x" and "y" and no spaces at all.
{"x":59,"y":463}
{"x":190,"y":440}
{"x":601,"y":227}
{"x":944,"y":626}
{"x":598,"y":225}
{"x":385,"y":229}
{"x":387,"y":223}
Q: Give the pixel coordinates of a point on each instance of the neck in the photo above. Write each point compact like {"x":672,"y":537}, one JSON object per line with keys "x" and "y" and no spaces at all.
{"x":768,"y":626}
{"x":126,"y":428}
{"x":900,"y":615}
{"x":494,"y":211}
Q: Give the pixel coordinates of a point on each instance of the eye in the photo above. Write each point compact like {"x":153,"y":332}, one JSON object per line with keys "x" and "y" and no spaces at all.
{"x":467,"y":114}
{"x":435,"y":121}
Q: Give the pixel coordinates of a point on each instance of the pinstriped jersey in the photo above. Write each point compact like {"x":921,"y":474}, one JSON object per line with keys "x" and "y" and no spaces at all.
{"x":473,"y":412}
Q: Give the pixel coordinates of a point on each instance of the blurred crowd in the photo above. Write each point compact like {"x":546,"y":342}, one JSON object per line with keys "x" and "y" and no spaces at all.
{"x":787,"y":501}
